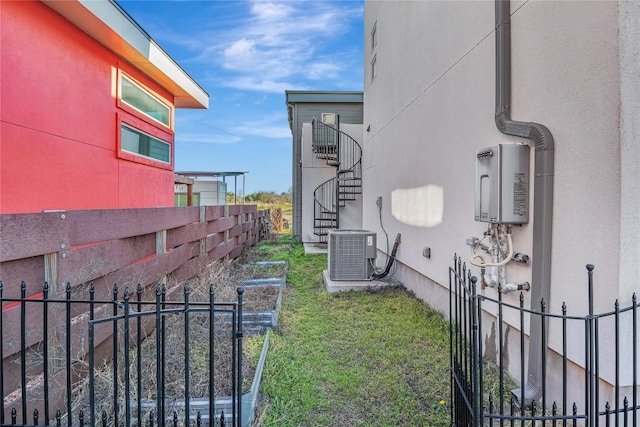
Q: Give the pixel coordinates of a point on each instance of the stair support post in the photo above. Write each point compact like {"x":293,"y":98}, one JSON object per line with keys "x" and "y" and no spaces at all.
{"x":337,"y":206}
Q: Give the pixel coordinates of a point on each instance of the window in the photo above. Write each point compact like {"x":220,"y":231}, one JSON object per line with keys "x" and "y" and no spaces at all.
{"x":143,"y":101}
{"x":374,"y":36}
{"x":374,"y":68}
{"x":142,"y":144}
{"x":329,"y":118}
{"x":181,"y":199}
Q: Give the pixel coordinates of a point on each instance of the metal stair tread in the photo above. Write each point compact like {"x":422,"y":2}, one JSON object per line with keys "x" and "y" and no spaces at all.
{"x":345,"y":186}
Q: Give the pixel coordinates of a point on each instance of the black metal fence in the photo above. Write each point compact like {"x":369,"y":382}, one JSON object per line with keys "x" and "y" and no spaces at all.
{"x":122,"y":360}
{"x":589,"y":364}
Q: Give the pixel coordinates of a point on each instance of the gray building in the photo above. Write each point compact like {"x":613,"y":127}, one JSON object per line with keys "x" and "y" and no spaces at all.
{"x":341,"y":111}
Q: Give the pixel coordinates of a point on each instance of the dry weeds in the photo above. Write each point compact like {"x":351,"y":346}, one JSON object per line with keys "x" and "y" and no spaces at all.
{"x":226,"y":277}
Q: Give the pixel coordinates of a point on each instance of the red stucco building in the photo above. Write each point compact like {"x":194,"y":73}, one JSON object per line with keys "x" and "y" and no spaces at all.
{"x":87,"y":109}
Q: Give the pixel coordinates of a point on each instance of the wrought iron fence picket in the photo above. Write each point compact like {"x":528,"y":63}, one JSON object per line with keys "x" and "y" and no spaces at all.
{"x":474,"y":404}
{"x":75,"y":345}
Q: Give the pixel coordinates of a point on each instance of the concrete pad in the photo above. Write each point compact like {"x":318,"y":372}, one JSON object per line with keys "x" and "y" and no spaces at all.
{"x":315,"y":248}
{"x":350,"y":285}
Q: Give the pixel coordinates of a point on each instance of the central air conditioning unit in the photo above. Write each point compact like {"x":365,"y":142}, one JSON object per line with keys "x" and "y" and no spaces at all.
{"x":351,"y":254}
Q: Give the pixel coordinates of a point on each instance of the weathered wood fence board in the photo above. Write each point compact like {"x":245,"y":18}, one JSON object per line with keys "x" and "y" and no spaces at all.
{"x":28,"y":235}
{"x":126,"y":222}
{"x":107,"y":247}
{"x":31,"y":270}
{"x":91,"y":244}
{"x":85,"y":263}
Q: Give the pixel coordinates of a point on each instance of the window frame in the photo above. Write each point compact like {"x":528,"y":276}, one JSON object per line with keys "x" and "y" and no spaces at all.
{"x":374,"y":36}
{"x":139,"y":125}
{"x":374,"y":68}
{"x":195,"y":196}
{"x":139,"y":113}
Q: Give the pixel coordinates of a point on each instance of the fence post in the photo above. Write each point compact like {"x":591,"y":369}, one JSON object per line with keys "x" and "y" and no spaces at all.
{"x":212,"y":381}
{"x":51,"y":269}
{"x":45,"y":349}
{"x":239,"y":354}
{"x":159,"y":371}
{"x":451,"y":369}
{"x":203,"y":240}
{"x":187,"y":369}
{"x":591,"y":409}
{"x":161,"y":248}
{"x":634,"y":329}
{"x":226,"y":232}
{"x":127,"y":361}
{"x":92,"y":399}
{"x":1,"y":362}
{"x":477,"y":396}
{"x":240,"y":222}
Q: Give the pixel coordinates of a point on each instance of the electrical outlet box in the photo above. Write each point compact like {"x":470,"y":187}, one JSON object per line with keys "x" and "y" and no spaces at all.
{"x":426,"y":252}
{"x":502,"y":184}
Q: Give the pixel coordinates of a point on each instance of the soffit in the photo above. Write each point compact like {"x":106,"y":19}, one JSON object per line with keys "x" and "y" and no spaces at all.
{"x":111,"y":26}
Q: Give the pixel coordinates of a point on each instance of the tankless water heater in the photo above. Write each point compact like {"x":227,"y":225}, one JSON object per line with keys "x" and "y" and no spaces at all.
{"x":502,"y":184}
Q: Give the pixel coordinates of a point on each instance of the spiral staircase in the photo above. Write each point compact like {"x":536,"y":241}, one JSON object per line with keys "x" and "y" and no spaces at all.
{"x":343,"y":152}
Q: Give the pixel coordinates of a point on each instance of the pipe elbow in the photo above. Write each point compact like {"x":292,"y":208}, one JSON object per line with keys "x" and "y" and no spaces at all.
{"x":501,"y":121}
{"x":511,"y":127}
{"x":541,"y":136}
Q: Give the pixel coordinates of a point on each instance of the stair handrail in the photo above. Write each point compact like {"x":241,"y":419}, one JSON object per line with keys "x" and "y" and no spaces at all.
{"x":342,"y":151}
{"x":318,"y":128}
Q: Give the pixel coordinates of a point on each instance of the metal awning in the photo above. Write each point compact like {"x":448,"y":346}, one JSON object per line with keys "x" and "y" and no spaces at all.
{"x":223,"y":175}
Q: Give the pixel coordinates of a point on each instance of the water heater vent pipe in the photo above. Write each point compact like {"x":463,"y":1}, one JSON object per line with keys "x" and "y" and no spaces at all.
{"x":542,"y":197}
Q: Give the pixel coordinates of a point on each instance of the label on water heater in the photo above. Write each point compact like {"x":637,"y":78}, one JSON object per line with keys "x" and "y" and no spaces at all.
{"x":520,"y":194}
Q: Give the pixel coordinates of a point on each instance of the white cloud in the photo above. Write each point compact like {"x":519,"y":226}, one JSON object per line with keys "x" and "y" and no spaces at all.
{"x":206,"y":139}
{"x":279,"y":43}
{"x":269,"y":126}
{"x":269,"y":11}
{"x":261,"y":85}
{"x":265,"y":131}
{"x":326,"y":69}
{"x":240,"y":50}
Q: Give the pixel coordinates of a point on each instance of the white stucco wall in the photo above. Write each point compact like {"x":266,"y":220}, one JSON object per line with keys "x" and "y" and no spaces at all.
{"x":629,"y":146}
{"x":351,"y":213}
{"x":629,"y":23}
{"x":431,"y":107}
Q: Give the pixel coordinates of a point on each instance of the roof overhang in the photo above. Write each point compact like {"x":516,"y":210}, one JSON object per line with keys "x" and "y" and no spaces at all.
{"x":179,"y":179}
{"x":111,"y":26}
{"x":206,"y":174}
{"x":316,"y":96}
{"x":319,"y":97}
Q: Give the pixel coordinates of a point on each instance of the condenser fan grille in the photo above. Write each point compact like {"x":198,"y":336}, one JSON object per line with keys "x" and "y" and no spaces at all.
{"x":349,"y":254}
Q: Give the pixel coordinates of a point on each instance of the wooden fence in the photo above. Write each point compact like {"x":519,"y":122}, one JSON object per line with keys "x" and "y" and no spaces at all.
{"x":107,"y":247}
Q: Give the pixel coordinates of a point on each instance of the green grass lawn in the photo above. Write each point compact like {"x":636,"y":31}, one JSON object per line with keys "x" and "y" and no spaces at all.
{"x":353,"y":359}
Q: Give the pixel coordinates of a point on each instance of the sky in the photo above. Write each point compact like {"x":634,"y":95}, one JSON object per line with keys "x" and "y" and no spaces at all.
{"x":245,"y":54}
